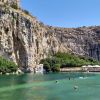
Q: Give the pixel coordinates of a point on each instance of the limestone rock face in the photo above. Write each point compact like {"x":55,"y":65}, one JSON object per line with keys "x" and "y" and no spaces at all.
{"x":10,"y":2}
{"x":81,"y":41}
{"x":25,"y":40}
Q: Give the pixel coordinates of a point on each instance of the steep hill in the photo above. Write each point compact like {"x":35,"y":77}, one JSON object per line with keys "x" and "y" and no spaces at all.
{"x":25,"y":40}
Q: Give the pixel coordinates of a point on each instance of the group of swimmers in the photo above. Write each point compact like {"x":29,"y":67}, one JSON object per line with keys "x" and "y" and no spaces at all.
{"x":75,"y":87}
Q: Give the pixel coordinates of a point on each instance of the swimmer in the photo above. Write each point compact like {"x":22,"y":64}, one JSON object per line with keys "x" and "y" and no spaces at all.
{"x":56,"y":81}
{"x":82,"y":77}
{"x":75,"y":87}
{"x":69,"y":78}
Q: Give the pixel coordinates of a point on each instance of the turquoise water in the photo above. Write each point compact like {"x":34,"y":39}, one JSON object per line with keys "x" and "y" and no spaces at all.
{"x":44,"y":87}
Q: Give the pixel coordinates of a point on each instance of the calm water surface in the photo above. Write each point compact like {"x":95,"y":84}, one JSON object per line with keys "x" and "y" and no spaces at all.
{"x":44,"y":87}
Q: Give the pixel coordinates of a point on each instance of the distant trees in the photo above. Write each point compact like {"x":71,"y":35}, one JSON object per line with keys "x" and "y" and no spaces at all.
{"x":62,"y":60}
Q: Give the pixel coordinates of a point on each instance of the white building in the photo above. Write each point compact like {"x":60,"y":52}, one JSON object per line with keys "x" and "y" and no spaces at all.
{"x":91,"y":68}
{"x":39,"y":69}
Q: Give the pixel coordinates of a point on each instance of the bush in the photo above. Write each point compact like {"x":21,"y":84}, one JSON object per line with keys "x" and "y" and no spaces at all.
{"x":62,"y":60}
{"x":47,"y":66}
{"x":15,"y":6}
{"x":56,"y":68}
{"x":26,"y":12}
{"x":7,"y":66}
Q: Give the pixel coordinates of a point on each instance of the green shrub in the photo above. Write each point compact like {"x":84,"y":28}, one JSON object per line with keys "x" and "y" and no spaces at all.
{"x":67,"y":60}
{"x":15,"y":6}
{"x":7,"y":66}
{"x":47,"y":66}
{"x":56,"y":68}
{"x":26,"y":12}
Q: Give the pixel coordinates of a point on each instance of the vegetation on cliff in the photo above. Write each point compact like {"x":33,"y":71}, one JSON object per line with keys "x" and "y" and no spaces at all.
{"x":15,"y":6}
{"x":63,"y":60}
{"x":7,"y":66}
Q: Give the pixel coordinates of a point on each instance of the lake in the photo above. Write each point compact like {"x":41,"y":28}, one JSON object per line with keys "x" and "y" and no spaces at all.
{"x":45,"y":87}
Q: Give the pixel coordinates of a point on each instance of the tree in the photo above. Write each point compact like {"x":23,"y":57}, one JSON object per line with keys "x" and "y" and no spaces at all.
{"x":47,"y":66}
{"x":56,"y":68}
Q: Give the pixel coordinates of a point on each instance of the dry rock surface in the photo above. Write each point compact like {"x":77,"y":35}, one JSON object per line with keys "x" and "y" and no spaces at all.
{"x":25,"y":40}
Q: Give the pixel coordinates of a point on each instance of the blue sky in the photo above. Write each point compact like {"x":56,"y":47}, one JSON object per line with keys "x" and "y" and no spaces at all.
{"x":65,"y":13}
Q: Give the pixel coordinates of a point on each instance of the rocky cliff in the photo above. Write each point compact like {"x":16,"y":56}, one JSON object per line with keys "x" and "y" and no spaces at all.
{"x":83,"y":41}
{"x":25,"y":40}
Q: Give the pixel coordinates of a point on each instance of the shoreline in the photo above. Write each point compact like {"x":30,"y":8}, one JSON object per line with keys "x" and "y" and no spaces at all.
{"x":68,"y":69}
{"x":78,"y":69}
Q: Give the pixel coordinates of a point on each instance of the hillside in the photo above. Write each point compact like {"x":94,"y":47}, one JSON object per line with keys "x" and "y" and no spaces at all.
{"x":25,"y":40}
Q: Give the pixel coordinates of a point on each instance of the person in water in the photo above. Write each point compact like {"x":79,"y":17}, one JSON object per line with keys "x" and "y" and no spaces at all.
{"x":75,"y":87}
{"x":69,"y":78}
{"x":56,"y":81}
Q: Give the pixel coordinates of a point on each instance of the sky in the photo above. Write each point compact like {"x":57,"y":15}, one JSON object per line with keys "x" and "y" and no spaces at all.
{"x":64,"y":13}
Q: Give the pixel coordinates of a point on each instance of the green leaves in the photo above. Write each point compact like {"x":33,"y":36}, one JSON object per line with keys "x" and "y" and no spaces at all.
{"x":47,"y":66}
{"x":62,"y":60}
{"x":7,"y":66}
